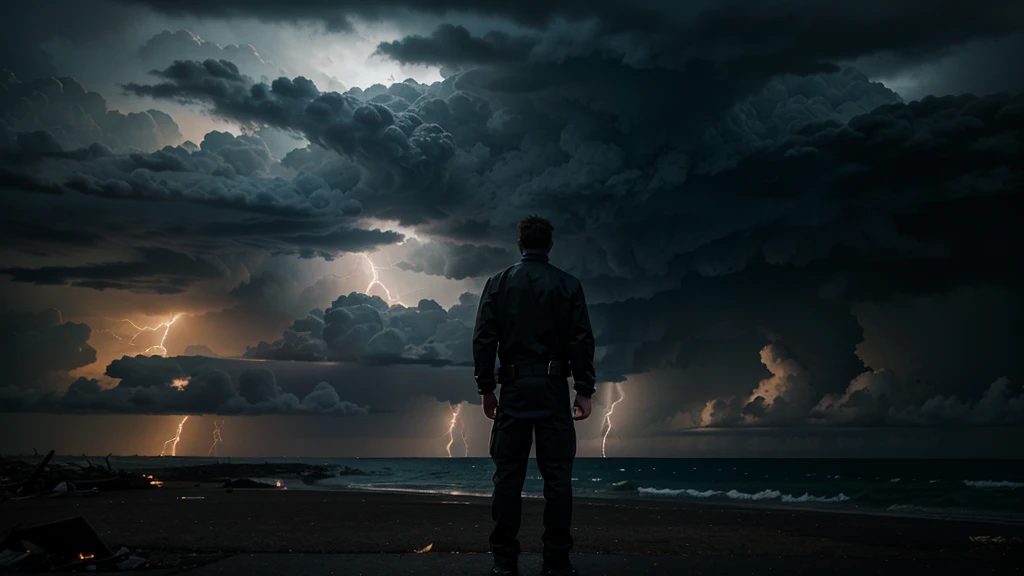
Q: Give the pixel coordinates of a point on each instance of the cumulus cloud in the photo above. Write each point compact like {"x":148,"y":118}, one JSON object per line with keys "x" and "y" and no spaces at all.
{"x":156,"y":385}
{"x":358,"y":327}
{"x":82,"y":116}
{"x":997,"y":406}
{"x":875,"y":398}
{"x":404,"y":153}
{"x":164,"y":48}
{"x":228,"y":178}
{"x":784,"y":398}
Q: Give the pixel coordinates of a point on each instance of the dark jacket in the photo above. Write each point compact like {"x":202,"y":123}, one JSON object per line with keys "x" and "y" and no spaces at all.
{"x":532,"y":312}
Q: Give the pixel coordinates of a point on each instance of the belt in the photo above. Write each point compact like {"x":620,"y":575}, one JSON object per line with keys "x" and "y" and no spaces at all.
{"x":526,"y":369}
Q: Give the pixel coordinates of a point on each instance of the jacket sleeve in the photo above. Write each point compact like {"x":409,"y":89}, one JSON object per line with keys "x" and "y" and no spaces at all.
{"x":485,"y":339}
{"x":581,"y":345}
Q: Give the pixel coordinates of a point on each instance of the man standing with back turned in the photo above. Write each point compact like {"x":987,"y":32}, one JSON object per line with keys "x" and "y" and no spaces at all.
{"x":533,"y":317}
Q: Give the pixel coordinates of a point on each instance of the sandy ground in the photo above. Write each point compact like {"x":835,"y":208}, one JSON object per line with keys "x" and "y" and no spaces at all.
{"x":159,"y":523}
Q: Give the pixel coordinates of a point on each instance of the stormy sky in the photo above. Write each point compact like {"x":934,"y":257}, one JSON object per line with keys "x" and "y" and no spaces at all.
{"x":796,"y":221}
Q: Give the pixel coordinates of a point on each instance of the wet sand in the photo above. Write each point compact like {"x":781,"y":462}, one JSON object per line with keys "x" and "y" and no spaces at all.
{"x":160,"y":523}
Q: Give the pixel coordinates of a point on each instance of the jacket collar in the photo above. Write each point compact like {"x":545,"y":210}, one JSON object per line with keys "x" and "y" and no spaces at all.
{"x":535,"y":257}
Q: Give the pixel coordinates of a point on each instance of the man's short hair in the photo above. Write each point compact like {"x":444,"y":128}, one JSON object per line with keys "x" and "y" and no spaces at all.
{"x":535,"y":233}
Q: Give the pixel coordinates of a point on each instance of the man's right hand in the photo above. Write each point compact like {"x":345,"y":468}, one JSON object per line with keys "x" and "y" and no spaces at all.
{"x":490,"y":402}
{"x":581,"y":407}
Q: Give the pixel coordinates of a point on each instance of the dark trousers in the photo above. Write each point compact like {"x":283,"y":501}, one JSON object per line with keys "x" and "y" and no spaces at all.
{"x":510,"y":449}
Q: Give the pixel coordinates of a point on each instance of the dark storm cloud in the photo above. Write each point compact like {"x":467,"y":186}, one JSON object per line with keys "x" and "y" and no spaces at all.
{"x":408,"y":154}
{"x":454,"y":45}
{"x":741,"y":43}
{"x":726,"y":199}
{"x":744,"y":23}
{"x":156,"y":270}
{"x":875,"y":398}
{"x":164,"y":48}
{"x":340,"y":240}
{"x":225,"y":177}
{"x":800,"y":188}
{"x":75,"y":117}
{"x":456,"y":261}
{"x":156,"y":385}
{"x":34,"y":344}
{"x":366,"y":329}
{"x":916,"y":206}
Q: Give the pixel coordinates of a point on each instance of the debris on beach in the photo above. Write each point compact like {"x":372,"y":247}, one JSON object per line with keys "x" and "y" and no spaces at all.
{"x":47,"y":478}
{"x":66,"y":545}
{"x":20,"y":479}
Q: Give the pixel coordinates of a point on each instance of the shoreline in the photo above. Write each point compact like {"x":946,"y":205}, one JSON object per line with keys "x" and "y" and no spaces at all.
{"x":743,"y":505}
{"x":325,"y":476}
{"x":215,"y":521}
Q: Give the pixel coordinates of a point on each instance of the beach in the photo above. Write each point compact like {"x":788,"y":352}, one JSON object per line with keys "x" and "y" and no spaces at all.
{"x":185,"y":525}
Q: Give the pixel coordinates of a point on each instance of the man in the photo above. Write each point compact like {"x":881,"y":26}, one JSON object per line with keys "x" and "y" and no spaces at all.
{"x":533,"y":317}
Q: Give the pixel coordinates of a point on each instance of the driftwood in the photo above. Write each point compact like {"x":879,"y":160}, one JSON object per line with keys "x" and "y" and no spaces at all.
{"x":36,"y":473}
{"x":25,"y":479}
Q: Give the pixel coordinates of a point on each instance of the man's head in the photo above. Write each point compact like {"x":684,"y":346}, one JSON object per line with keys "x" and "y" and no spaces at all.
{"x":535,"y":235}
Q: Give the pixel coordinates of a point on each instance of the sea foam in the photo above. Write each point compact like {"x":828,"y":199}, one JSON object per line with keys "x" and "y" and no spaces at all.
{"x":737,"y":495}
{"x":1006,"y":484}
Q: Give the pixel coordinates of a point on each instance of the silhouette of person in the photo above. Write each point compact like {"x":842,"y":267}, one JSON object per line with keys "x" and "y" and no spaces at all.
{"x":533,"y":318}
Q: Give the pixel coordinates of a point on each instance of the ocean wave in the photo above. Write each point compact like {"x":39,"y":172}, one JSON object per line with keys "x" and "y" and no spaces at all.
{"x":994,"y":484}
{"x":682,"y":492}
{"x":808,"y":498}
{"x":737,"y":495}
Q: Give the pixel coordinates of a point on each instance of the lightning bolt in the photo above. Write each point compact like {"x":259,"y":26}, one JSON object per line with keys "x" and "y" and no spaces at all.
{"x":375,"y":281}
{"x":462,"y":432}
{"x":159,"y":349}
{"x":608,"y":418}
{"x":456,"y":409}
{"x":217,"y":439}
{"x":175,"y":440}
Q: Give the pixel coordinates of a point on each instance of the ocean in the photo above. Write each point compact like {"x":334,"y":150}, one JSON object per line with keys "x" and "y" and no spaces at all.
{"x":954,"y":489}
